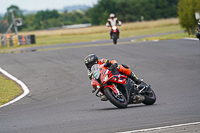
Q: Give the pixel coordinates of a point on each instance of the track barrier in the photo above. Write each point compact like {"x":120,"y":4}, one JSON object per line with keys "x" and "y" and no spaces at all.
{"x":13,"y":40}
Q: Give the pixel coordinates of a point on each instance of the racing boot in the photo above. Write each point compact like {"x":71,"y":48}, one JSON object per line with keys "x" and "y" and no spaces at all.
{"x":135,"y":78}
{"x":103,"y":98}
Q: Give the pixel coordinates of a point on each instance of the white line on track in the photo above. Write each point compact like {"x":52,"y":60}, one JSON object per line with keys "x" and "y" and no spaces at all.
{"x":196,"y":39}
{"x":158,"y":128}
{"x":24,"y":87}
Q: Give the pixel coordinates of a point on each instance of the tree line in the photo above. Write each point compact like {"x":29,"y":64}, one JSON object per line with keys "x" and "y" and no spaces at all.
{"x":186,"y":12}
{"x":43,"y":19}
{"x":132,"y":10}
{"x":125,"y":10}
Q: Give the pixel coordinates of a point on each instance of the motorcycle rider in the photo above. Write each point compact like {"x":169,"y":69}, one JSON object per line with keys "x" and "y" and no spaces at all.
{"x":113,"y":21}
{"x":92,"y":59}
{"x":198,"y":31}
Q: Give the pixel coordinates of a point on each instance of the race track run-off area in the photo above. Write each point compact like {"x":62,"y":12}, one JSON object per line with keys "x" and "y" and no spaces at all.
{"x":60,"y":97}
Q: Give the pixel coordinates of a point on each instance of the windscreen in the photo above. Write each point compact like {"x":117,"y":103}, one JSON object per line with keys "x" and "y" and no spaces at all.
{"x":95,"y":71}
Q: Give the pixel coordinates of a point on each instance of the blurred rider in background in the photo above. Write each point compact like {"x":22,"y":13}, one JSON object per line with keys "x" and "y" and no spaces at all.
{"x":113,"y":21}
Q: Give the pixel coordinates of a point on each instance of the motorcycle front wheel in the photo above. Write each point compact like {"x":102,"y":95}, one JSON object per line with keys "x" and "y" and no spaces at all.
{"x":115,"y":38}
{"x":117,"y":100}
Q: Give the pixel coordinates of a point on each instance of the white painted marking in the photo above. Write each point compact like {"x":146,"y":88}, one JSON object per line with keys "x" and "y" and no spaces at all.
{"x":158,"y":128}
{"x":155,"y":40}
{"x":24,"y":87}
{"x":191,"y":38}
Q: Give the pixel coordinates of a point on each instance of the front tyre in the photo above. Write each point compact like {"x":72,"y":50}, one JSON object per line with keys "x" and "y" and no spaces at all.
{"x":115,"y":38}
{"x":150,"y":97}
{"x":117,"y":100}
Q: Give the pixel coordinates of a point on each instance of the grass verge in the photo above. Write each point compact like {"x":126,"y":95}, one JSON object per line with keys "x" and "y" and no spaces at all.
{"x":167,"y":37}
{"x":8,"y":90}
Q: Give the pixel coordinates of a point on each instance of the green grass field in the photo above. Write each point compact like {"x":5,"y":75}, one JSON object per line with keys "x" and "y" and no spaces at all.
{"x":9,"y":89}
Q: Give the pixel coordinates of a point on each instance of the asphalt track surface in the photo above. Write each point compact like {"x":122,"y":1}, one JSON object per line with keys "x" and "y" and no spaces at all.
{"x":61,"y":101}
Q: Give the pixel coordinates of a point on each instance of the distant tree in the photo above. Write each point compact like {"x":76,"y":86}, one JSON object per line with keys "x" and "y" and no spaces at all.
{"x":123,"y":9}
{"x":172,"y":8}
{"x":100,"y":12}
{"x":143,"y":8}
{"x":3,"y":26}
{"x":29,"y":22}
{"x":132,"y":10}
{"x":69,"y":18}
{"x":186,"y":11}
{"x":17,"y":13}
{"x":46,"y":19}
{"x":197,"y":5}
{"x":44,"y":15}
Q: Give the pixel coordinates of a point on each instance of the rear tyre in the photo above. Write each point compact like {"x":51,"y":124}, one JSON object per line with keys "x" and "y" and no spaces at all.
{"x":118,"y":101}
{"x":150,"y":97}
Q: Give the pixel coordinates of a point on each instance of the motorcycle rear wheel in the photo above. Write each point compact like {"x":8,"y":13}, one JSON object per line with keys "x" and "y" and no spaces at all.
{"x":118,"y":101}
{"x":150,"y":97}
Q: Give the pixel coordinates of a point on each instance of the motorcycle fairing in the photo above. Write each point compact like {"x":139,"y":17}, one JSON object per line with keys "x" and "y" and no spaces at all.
{"x":112,"y":87}
{"x":95,"y":84}
{"x":114,"y":29}
{"x":100,"y":83}
{"x":118,"y":79}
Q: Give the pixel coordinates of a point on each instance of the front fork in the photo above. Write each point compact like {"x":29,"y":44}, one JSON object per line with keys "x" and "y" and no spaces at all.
{"x":112,"y":86}
{"x":114,"y":89}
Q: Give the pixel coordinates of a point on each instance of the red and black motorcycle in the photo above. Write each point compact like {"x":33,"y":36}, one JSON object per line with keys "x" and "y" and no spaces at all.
{"x":118,"y":88}
{"x":114,"y":34}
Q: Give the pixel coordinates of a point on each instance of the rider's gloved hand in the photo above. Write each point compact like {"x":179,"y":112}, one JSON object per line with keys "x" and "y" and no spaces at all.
{"x":119,"y":23}
{"x":107,"y":24}
{"x":90,"y":74}
{"x":113,"y":66}
{"x":107,"y":63}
